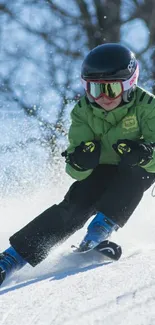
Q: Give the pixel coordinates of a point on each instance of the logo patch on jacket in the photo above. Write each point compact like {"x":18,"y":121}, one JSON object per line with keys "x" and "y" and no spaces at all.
{"x":130,"y":122}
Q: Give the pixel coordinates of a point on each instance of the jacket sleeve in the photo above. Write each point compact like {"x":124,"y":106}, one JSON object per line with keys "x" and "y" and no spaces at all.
{"x":148,"y":132}
{"x":79,"y":131}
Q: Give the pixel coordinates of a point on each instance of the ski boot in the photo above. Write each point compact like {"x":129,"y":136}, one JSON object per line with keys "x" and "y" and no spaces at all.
{"x":98,"y":231}
{"x":10,"y":261}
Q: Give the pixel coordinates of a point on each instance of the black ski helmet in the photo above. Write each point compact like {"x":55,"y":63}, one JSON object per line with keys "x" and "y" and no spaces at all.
{"x":110,"y":61}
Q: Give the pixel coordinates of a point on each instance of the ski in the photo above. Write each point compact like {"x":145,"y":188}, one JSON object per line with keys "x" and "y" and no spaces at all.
{"x":107,"y":248}
{"x":2,"y":276}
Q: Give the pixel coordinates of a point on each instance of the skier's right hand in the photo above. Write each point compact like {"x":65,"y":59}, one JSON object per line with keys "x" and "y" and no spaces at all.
{"x":134,"y":153}
{"x":85,"y":156}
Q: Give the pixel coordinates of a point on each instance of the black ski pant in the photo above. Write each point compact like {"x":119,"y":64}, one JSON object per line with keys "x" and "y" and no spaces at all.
{"x":115,"y":192}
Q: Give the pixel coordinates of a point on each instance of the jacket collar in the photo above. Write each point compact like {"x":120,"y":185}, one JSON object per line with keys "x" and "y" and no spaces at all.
{"x":114,"y":116}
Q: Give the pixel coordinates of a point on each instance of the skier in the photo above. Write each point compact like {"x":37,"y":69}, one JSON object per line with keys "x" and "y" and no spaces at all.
{"x":110,"y":156}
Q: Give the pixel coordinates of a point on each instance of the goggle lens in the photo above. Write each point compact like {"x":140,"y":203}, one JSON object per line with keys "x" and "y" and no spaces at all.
{"x":108,"y":89}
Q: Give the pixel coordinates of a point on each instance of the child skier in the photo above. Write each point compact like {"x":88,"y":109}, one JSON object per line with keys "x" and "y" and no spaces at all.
{"x":111,"y":157}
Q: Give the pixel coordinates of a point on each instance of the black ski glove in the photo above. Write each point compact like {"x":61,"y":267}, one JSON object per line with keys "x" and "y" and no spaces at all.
{"x":85,"y":156}
{"x":134,"y":153}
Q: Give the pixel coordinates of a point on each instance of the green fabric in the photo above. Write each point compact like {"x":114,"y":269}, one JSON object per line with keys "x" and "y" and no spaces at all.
{"x":132,"y":121}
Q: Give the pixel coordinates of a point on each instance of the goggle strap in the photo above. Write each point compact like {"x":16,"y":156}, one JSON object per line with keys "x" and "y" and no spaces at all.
{"x":132,"y":81}
{"x":84,"y":82}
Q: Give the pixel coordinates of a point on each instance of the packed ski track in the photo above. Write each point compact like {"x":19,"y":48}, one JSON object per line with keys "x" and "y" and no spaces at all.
{"x":69,"y":288}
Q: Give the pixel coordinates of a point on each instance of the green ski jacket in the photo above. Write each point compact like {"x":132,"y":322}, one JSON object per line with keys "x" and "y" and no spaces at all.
{"x":134,"y":120}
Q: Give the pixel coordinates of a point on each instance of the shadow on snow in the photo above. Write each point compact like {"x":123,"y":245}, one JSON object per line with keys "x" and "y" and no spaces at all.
{"x":53,"y":277}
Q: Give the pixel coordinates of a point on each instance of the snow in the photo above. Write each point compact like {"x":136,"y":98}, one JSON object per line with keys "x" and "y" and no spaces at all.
{"x":67,"y":288}
{"x":79,"y":289}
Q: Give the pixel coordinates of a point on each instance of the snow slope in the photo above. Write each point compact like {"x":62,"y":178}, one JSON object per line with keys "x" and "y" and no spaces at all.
{"x":73,"y":289}
{"x":67,"y":288}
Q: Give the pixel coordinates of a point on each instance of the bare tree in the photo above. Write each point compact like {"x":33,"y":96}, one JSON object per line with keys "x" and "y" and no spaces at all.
{"x":43,"y":44}
{"x":144,"y":11}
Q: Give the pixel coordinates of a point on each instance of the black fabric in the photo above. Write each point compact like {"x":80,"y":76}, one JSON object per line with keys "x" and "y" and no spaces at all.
{"x":124,"y":192}
{"x":85,"y":156}
{"x":108,"y":189}
{"x":134,"y":153}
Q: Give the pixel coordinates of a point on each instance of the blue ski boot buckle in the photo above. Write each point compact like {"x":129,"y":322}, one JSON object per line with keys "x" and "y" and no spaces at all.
{"x":98,"y":231}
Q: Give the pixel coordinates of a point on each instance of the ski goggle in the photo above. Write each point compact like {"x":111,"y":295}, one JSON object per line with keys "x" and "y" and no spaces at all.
{"x":108,"y":88}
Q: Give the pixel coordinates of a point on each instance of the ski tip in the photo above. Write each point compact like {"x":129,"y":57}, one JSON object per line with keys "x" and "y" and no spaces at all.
{"x":110,"y":250}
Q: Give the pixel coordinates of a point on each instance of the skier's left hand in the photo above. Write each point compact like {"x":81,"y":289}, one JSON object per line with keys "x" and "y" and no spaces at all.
{"x":85,"y":156}
{"x":134,"y":153}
